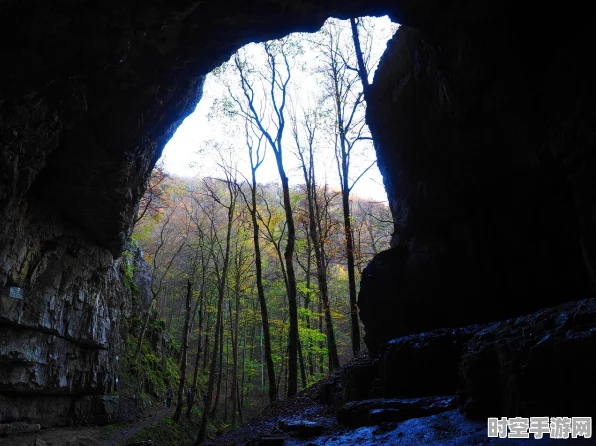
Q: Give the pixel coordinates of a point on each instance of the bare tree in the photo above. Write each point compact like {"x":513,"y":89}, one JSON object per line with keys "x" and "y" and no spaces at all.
{"x":351,"y":130}
{"x":230,"y":205}
{"x":278,"y":76}
{"x":256,"y":155}
{"x":307,"y":161}
{"x":184,"y":354}
{"x":152,"y":200}
{"x":169,"y":245}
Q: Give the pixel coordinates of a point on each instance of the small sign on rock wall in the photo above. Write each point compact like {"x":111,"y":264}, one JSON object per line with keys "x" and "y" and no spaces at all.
{"x":16,"y":292}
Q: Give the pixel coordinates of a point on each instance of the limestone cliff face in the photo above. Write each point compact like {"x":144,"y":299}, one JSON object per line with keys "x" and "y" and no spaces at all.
{"x":482,"y":142}
{"x":63,"y":304}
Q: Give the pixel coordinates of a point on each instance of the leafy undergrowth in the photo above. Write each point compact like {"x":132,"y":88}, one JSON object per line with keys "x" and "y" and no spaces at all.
{"x":147,"y":372}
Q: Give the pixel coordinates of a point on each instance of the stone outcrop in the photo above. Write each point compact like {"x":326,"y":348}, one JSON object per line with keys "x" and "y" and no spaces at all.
{"x":540,"y":363}
{"x":62,"y":322}
{"x":424,"y":364}
{"x":482,"y":140}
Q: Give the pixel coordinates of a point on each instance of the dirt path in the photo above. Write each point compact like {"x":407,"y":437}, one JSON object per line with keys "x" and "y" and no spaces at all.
{"x":120,"y":437}
{"x":111,"y":435}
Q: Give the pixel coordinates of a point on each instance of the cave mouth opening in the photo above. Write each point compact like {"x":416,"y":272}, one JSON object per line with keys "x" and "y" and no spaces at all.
{"x":300,"y":100}
{"x":193,"y":150}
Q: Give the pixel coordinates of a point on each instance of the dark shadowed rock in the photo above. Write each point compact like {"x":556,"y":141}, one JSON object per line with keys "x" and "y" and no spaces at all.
{"x":271,"y":440}
{"x":485,"y":188}
{"x":540,"y":363}
{"x":59,"y":342}
{"x":358,"y":380}
{"x":424,"y":364}
{"x":18,"y":427}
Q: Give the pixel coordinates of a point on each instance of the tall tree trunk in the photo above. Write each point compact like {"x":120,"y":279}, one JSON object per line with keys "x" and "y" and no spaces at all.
{"x":206,"y":355}
{"x":143,"y":330}
{"x":302,"y":368}
{"x":243,"y":361}
{"x":211,"y":382}
{"x":311,"y":368}
{"x":276,"y":82}
{"x":197,"y":359}
{"x":321,"y":344}
{"x":178,"y":412}
{"x":261,"y":293}
{"x":195,"y":378}
{"x":292,"y":298}
{"x":281,"y":366}
{"x":235,"y":345}
{"x":286,"y":382}
{"x":207,"y":331}
{"x":221,"y":372}
{"x":226,"y":378}
{"x":345,"y":194}
{"x":315,"y":235}
{"x":351,"y":269}
{"x":240,"y":417}
{"x":362,"y":71}
{"x":220,"y":298}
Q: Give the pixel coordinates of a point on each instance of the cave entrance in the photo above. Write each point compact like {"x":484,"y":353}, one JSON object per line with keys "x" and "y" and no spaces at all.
{"x":191,"y":152}
{"x":276,"y":158}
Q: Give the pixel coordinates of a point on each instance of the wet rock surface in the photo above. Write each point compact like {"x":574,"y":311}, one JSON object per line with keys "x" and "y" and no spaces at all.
{"x":302,"y":428}
{"x":450,"y":428}
{"x":382,"y":410}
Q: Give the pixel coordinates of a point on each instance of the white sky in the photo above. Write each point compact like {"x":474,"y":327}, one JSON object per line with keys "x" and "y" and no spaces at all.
{"x":187,"y":154}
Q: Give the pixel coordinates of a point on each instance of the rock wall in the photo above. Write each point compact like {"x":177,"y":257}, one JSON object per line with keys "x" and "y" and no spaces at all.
{"x":63,"y":307}
{"x":483,"y":141}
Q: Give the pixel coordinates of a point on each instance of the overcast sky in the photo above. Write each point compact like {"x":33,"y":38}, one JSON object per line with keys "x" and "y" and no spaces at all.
{"x":187,"y":153}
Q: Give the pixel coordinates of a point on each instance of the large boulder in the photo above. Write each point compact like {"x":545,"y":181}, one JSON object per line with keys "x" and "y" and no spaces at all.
{"x":542,"y":363}
{"x":423,"y":364}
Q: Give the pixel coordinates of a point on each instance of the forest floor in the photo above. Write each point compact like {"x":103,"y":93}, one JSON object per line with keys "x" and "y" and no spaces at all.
{"x":111,"y":435}
{"x":301,"y":420}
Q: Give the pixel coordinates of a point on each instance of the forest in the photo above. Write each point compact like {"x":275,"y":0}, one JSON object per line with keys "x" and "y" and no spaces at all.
{"x":255,"y":281}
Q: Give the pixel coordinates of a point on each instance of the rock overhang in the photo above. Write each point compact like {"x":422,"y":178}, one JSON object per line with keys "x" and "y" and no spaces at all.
{"x":94,"y":91}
